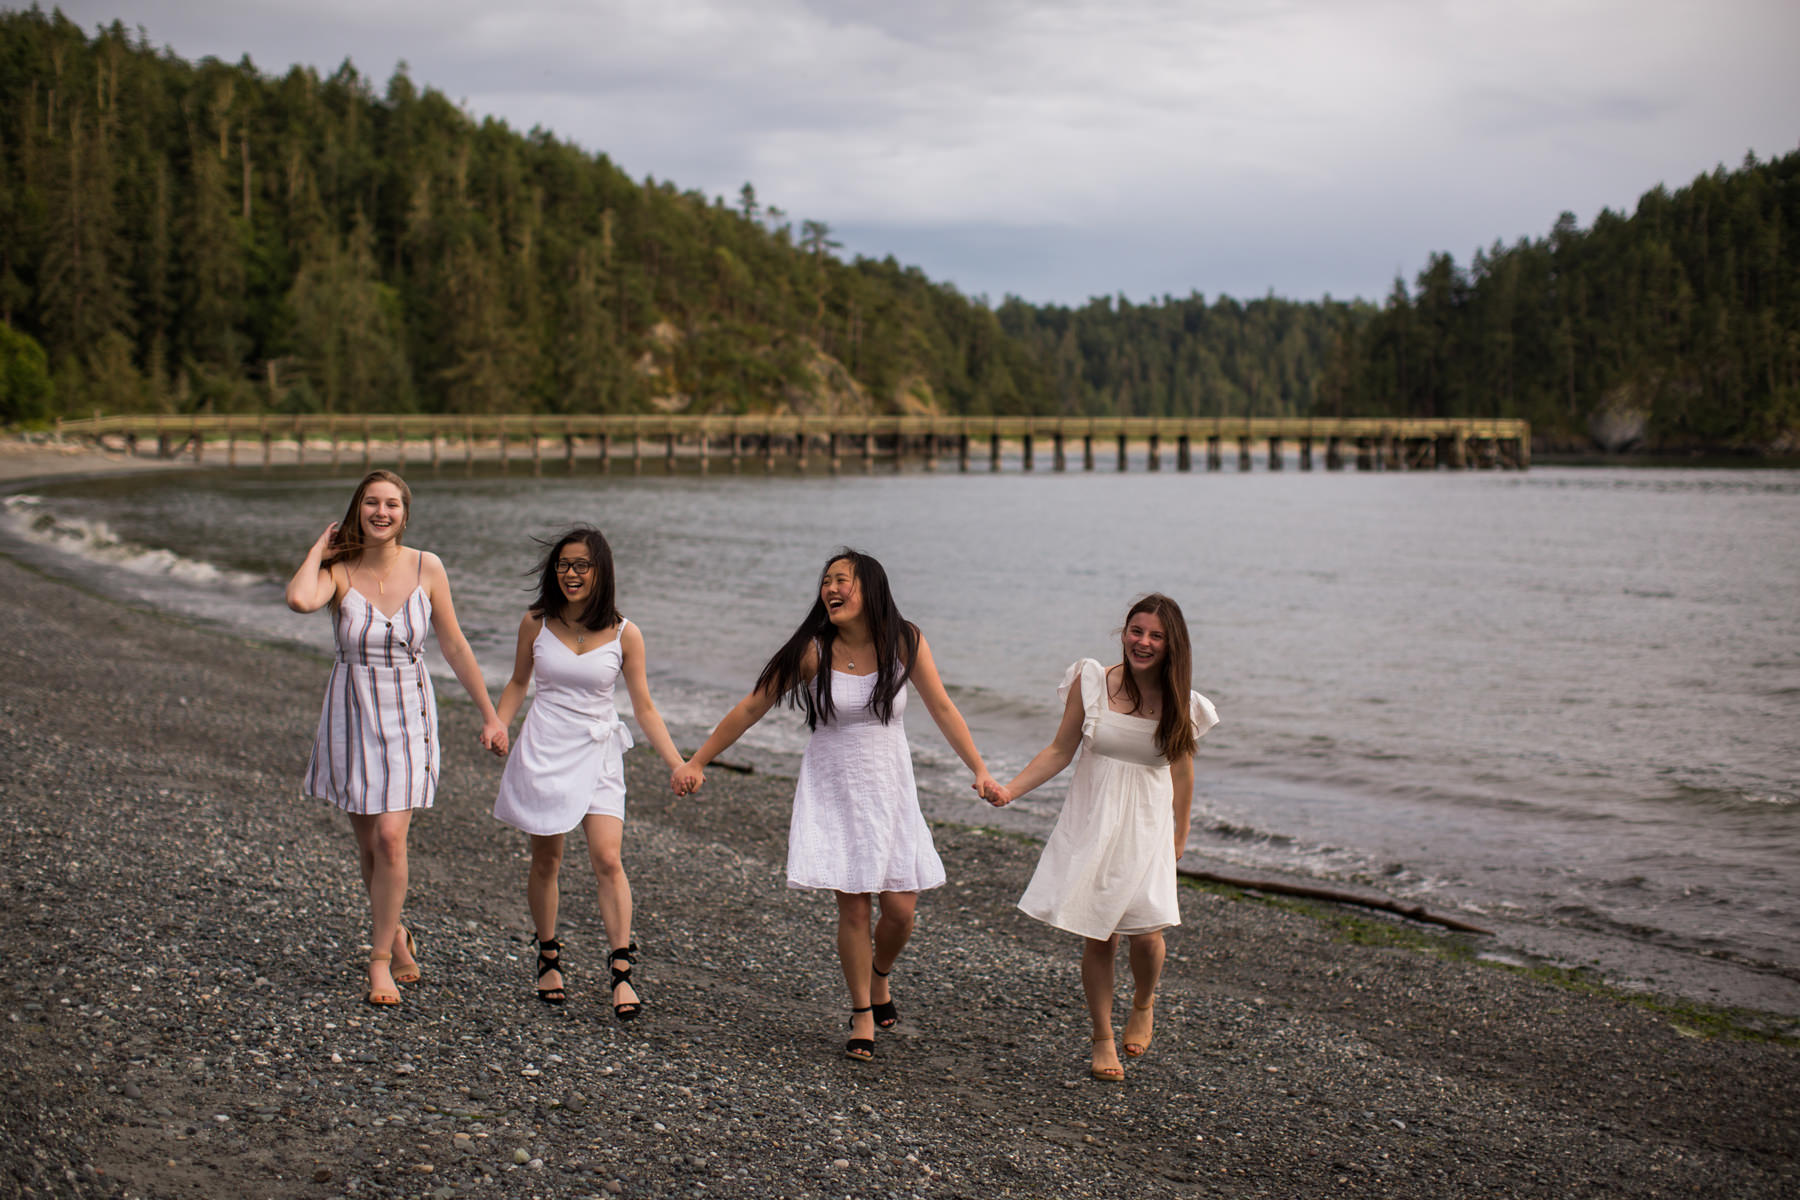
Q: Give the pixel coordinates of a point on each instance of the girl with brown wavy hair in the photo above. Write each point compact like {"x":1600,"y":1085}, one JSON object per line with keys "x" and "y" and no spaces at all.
{"x":375,"y":754}
{"x":1108,"y":869}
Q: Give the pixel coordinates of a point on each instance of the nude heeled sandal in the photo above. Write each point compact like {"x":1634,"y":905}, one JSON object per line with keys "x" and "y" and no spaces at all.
{"x":380,"y":999}
{"x":1135,"y":1046}
{"x":412,"y":950}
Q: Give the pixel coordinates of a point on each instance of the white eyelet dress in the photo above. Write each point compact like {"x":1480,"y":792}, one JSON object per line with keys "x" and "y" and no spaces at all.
{"x":856,"y":826}
{"x":376,"y":749}
{"x":1109,"y":866}
{"x":569,"y":760}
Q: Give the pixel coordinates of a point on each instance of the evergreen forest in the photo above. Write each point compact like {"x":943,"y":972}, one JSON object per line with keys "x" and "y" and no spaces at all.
{"x":201,"y":237}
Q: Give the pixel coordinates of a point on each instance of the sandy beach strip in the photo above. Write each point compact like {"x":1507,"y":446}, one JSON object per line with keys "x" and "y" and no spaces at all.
{"x":182,"y":995}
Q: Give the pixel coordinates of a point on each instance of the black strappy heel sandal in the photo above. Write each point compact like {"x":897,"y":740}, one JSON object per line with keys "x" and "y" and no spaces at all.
{"x":886,"y":1015}
{"x":860,"y":1049}
{"x":630,"y":1008}
{"x":546,"y":964}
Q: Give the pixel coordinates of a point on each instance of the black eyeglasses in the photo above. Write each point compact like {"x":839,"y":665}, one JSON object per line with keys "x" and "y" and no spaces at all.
{"x":580,"y":566}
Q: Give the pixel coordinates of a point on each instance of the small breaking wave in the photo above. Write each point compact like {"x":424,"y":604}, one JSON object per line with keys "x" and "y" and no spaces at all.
{"x":30,"y":519}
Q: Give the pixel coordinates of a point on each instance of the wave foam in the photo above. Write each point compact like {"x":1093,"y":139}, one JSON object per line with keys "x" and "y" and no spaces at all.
{"x":31,"y":519}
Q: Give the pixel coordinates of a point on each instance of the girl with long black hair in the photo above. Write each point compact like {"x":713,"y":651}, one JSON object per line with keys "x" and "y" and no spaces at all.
{"x":856,"y":827}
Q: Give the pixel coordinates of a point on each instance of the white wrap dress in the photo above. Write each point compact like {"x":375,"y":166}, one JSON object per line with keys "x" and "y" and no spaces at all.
{"x":1109,"y":866}
{"x":569,"y":760}
{"x":856,"y":826}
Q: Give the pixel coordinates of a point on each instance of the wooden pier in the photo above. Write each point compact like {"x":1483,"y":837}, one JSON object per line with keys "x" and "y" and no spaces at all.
{"x":831,"y":443}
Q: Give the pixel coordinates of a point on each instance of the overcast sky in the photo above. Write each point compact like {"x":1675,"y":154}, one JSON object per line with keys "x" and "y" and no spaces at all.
{"x":1062,"y":149}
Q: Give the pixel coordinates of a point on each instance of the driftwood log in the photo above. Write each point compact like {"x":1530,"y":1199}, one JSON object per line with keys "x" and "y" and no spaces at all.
{"x":727,"y":765}
{"x":1281,"y":887}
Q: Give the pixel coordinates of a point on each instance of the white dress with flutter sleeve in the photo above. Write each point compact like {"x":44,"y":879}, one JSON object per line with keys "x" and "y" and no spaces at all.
{"x":1109,"y":866}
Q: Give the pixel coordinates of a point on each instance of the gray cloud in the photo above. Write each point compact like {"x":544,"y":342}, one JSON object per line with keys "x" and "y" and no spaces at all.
{"x":1060,"y":149}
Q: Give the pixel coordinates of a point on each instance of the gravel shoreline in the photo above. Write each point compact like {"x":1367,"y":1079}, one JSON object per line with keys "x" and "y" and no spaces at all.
{"x":182,"y":998}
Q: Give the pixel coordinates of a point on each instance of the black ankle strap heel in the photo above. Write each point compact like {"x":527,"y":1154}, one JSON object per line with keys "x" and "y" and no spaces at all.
{"x":627,"y":955}
{"x":860,"y":1049}
{"x":886,"y":1015}
{"x":546,"y":964}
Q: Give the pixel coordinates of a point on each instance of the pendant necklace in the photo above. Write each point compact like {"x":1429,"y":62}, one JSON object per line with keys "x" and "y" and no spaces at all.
{"x":381,"y":580}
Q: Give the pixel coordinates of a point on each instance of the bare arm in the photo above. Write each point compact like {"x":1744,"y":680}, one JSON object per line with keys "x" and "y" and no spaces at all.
{"x":1049,"y":762}
{"x":458,"y":654}
{"x":745,"y":713}
{"x":631,"y":651}
{"x":950,"y":723}
{"x":1181,"y":773}
{"x":512,"y":697}
{"x":313,"y":586}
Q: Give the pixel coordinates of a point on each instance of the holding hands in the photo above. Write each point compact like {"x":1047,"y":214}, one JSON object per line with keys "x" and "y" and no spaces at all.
{"x":992,"y":791}
{"x":686,"y":779}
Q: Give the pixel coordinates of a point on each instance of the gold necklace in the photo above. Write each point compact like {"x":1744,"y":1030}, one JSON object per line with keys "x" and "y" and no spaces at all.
{"x":381,"y":580}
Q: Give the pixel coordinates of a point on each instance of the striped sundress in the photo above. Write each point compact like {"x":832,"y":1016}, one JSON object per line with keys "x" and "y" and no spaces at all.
{"x":376,"y":749}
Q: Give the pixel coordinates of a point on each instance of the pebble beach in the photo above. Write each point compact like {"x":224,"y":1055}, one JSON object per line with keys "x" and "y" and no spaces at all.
{"x":182,"y":995}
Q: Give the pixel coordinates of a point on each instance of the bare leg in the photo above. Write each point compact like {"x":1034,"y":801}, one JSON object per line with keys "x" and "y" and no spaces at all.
{"x":605,"y":836}
{"x":1097,"y":964}
{"x":381,"y":854}
{"x":542,"y":893}
{"x":855,"y":954}
{"x":1147,"y":953}
{"x":368,"y":838}
{"x":892,"y":932}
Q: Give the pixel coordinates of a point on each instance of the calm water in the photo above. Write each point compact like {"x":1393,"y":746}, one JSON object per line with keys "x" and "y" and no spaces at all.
{"x":1567,"y":699}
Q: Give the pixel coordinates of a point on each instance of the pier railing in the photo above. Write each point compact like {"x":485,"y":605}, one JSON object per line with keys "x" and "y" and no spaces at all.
{"x":799,"y":442}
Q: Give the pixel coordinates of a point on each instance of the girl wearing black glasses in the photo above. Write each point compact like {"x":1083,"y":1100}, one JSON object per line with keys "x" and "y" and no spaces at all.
{"x":568,"y":768}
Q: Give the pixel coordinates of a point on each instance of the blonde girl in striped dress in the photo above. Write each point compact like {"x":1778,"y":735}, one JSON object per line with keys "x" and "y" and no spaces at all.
{"x":376,"y":752}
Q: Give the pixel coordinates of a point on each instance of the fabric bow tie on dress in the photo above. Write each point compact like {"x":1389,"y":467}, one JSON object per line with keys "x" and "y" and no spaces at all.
{"x":608,"y":728}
